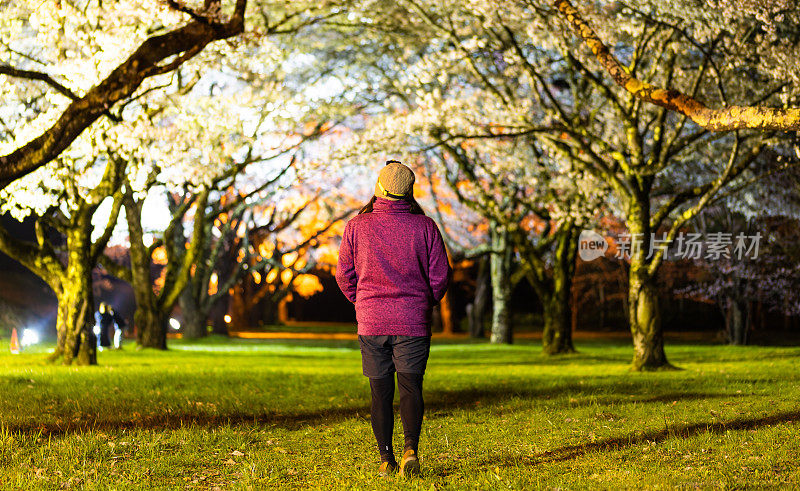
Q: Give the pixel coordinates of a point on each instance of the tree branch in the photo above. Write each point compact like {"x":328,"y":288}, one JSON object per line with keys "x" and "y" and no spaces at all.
{"x":170,"y":295}
{"x":34,"y":75}
{"x":45,"y":266}
{"x":725,"y":119}
{"x":100,"y":244}
{"x":117,"y":270}
{"x":731,"y":171}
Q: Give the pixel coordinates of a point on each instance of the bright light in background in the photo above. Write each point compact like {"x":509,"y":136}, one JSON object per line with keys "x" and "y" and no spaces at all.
{"x":227,"y":319}
{"x":173,"y":323}
{"x":29,"y":337}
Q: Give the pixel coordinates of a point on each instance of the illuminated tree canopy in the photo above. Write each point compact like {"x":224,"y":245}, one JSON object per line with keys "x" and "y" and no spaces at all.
{"x":254,"y":128}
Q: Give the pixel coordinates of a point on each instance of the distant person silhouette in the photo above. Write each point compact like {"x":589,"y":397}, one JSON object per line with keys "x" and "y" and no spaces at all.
{"x":393,"y":266}
{"x":104,"y":324}
{"x":119,"y":326}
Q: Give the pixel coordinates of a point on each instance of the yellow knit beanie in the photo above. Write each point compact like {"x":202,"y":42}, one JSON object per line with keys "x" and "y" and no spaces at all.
{"x":395,"y":181}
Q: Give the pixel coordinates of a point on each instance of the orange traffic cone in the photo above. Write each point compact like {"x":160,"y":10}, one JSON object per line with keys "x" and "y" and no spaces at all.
{"x":14,"y":342}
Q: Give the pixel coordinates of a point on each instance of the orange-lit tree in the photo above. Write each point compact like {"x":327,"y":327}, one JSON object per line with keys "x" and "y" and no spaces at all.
{"x":287,"y":243}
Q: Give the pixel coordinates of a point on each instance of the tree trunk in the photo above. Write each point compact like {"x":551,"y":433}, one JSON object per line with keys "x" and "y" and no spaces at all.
{"x":557,"y":334}
{"x":735,"y":321}
{"x":270,"y":312}
{"x":645,"y":321}
{"x":644,"y":314}
{"x":194,"y":320}
{"x":152,"y":327}
{"x":274,"y":307}
{"x":75,"y":318}
{"x":477,"y":308}
{"x":217,"y":316}
{"x":436,"y":319}
{"x":239,"y":309}
{"x":446,"y":314}
{"x":500,"y":265}
{"x":75,"y":322}
{"x":149,"y":318}
{"x":283,"y":310}
{"x":194,"y":324}
{"x":601,"y":304}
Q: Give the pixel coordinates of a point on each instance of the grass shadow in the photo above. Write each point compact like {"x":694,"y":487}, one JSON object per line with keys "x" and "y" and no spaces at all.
{"x":439,"y":403}
{"x":569,"y":452}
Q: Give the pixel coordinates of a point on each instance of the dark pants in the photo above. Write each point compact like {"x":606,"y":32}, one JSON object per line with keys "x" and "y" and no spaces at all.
{"x":381,"y":356}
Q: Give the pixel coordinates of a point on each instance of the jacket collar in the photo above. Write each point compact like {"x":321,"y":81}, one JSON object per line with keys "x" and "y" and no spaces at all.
{"x":384,"y":205}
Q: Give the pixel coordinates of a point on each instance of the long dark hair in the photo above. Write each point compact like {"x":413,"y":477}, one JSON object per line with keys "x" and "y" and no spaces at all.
{"x":415,"y":208}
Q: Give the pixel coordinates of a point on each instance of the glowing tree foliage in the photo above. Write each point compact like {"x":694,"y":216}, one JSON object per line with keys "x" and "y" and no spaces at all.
{"x":64,"y":33}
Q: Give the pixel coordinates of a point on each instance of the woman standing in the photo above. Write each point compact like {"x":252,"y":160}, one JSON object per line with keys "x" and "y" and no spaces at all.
{"x":393,"y":266}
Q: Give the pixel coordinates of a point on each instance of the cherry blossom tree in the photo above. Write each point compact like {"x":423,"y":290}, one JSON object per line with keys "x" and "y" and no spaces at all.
{"x":664,"y":171}
{"x":759,"y":261}
{"x":660,"y":167}
{"x":140,"y":103}
{"x":83,"y":41}
{"x":210,"y":194}
{"x":65,"y":197}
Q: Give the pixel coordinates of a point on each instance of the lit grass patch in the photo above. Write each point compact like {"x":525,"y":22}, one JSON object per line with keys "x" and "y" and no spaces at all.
{"x":247,"y":414}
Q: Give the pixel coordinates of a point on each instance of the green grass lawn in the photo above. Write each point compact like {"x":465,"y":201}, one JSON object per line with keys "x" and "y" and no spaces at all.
{"x":252,"y":415}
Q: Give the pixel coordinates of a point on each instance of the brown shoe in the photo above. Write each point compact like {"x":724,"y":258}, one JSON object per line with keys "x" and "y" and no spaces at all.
{"x":387,"y":468}
{"x":409,"y":466}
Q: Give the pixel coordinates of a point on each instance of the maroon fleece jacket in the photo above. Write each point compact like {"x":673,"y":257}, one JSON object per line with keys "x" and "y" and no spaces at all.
{"x":394,"y":267}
